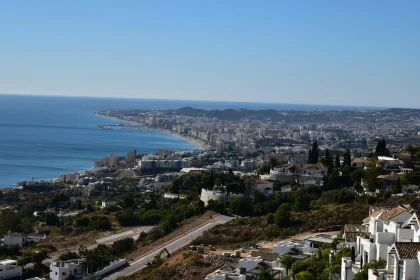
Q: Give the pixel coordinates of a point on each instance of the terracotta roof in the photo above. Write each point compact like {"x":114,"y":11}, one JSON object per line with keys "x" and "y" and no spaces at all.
{"x":363,"y":160}
{"x":270,"y":257}
{"x":352,"y":236}
{"x":16,"y":234}
{"x":392,"y":213}
{"x":389,"y":177}
{"x":374,"y":215}
{"x":407,"y":250}
{"x":306,"y":166}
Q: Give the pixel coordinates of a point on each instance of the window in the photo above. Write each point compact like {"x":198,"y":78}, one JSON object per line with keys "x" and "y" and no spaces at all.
{"x":75,"y":271}
{"x":400,"y":269}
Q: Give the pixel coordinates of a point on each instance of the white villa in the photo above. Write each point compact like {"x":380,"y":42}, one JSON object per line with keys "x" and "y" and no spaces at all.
{"x":392,"y":235}
{"x":9,"y":269}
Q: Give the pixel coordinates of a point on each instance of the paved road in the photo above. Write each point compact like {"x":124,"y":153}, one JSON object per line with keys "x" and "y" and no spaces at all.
{"x":171,"y":247}
{"x":134,"y":233}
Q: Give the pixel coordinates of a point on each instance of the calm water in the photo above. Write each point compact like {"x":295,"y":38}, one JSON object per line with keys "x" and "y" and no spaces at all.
{"x":44,"y":137}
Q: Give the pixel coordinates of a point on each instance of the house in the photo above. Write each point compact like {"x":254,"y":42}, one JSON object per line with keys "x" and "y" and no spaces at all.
{"x":391,"y":234}
{"x":15,"y":238}
{"x":9,"y":269}
{"x":390,"y":164}
{"x":217,"y":194}
{"x":226,"y":273}
{"x":261,"y":186}
{"x":388,"y":181}
{"x":359,"y":162}
{"x":36,"y":237}
{"x":107,"y":203}
{"x":301,"y":171}
{"x":62,"y":270}
{"x":316,"y":241}
{"x":249,"y":267}
{"x":292,"y":247}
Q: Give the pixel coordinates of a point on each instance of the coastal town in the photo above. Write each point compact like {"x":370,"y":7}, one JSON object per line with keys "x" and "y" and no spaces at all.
{"x":357,"y":179}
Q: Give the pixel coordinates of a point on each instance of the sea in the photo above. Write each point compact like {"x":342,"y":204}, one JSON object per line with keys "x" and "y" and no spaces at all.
{"x":43,"y":137}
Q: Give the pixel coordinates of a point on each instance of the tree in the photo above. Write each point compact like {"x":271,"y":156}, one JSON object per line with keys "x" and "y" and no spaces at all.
{"x":69,"y":256}
{"x":287,"y":262}
{"x":410,"y":149}
{"x":397,"y":188}
{"x":304,"y":275}
{"x":265,"y":275}
{"x":313,"y":153}
{"x":417,"y":155}
{"x":310,"y":155}
{"x":282,"y":215}
{"x":301,"y":199}
{"x":337,"y":161}
{"x":357,"y":175}
{"x":127,"y":201}
{"x":381,"y":149}
{"x":270,"y":218}
{"x":273,"y":162}
{"x":347,"y":159}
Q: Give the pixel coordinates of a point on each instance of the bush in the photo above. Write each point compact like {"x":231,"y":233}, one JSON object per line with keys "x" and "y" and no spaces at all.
{"x":100,"y":223}
{"x":282,"y":215}
{"x":69,"y":256}
{"x":127,"y":219}
{"x":270,"y":218}
{"x":122,"y":246}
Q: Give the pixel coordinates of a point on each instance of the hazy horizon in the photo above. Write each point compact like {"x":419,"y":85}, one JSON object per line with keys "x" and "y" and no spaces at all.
{"x":202,"y":100}
{"x":361,"y":53}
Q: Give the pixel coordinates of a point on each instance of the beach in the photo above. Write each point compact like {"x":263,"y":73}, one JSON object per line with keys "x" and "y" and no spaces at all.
{"x":201,"y":145}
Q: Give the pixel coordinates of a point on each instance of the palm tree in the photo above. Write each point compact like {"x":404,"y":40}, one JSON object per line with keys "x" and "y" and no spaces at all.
{"x":287,"y":261}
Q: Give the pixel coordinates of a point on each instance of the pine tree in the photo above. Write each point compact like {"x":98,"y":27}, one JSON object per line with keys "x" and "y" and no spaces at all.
{"x":337,"y":161}
{"x":314,"y":154}
{"x":310,"y":156}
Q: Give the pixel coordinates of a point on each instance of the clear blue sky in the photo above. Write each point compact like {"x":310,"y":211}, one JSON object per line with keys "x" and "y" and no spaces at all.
{"x":352,"y":52}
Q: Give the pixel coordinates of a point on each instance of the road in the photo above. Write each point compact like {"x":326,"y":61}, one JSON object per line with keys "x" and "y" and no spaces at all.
{"x":172,"y":246}
{"x":134,"y":233}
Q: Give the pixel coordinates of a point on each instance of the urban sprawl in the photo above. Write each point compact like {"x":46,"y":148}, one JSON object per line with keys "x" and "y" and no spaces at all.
{"x":267,"y":194}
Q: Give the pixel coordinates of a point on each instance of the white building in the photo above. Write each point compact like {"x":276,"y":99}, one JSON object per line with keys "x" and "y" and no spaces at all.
{"x":216,"y":195}
{"x":392,"y":235}
{"x":107,"y":203}
{"x":36,"y":237}
{"x":15,"y":238}
{"x":9,"y":269}
{"x":62,"y":270}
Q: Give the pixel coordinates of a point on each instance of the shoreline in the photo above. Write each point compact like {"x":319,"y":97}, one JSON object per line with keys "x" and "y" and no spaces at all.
{"x":201,"y":145}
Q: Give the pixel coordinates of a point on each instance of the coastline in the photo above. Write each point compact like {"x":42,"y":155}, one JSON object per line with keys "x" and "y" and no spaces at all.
{"x":201,"y":145}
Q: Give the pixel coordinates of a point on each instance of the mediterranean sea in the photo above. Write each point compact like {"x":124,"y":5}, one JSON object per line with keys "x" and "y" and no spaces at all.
{"x":42,"y":137}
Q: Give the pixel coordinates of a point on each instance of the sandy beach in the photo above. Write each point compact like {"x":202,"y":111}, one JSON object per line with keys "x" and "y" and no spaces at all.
{"x":201,"y":145}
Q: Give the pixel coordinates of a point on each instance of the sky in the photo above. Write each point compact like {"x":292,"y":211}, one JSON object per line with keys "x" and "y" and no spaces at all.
{"x":337,"y":52}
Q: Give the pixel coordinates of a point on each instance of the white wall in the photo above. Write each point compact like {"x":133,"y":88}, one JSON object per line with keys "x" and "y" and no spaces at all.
{"x":249,"y":263}
{"x":405,"y":235}
{"x":385,"y":237}
{"x":10,"y":271}
{"x":346,"y":271}
{"x":411,"y":270}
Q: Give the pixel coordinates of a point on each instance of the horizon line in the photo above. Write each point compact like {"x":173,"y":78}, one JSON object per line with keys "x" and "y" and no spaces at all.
{"x":205,"y":100}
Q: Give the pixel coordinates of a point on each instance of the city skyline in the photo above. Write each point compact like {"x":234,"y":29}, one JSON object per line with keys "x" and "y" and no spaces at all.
{"x":331,"y":53}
